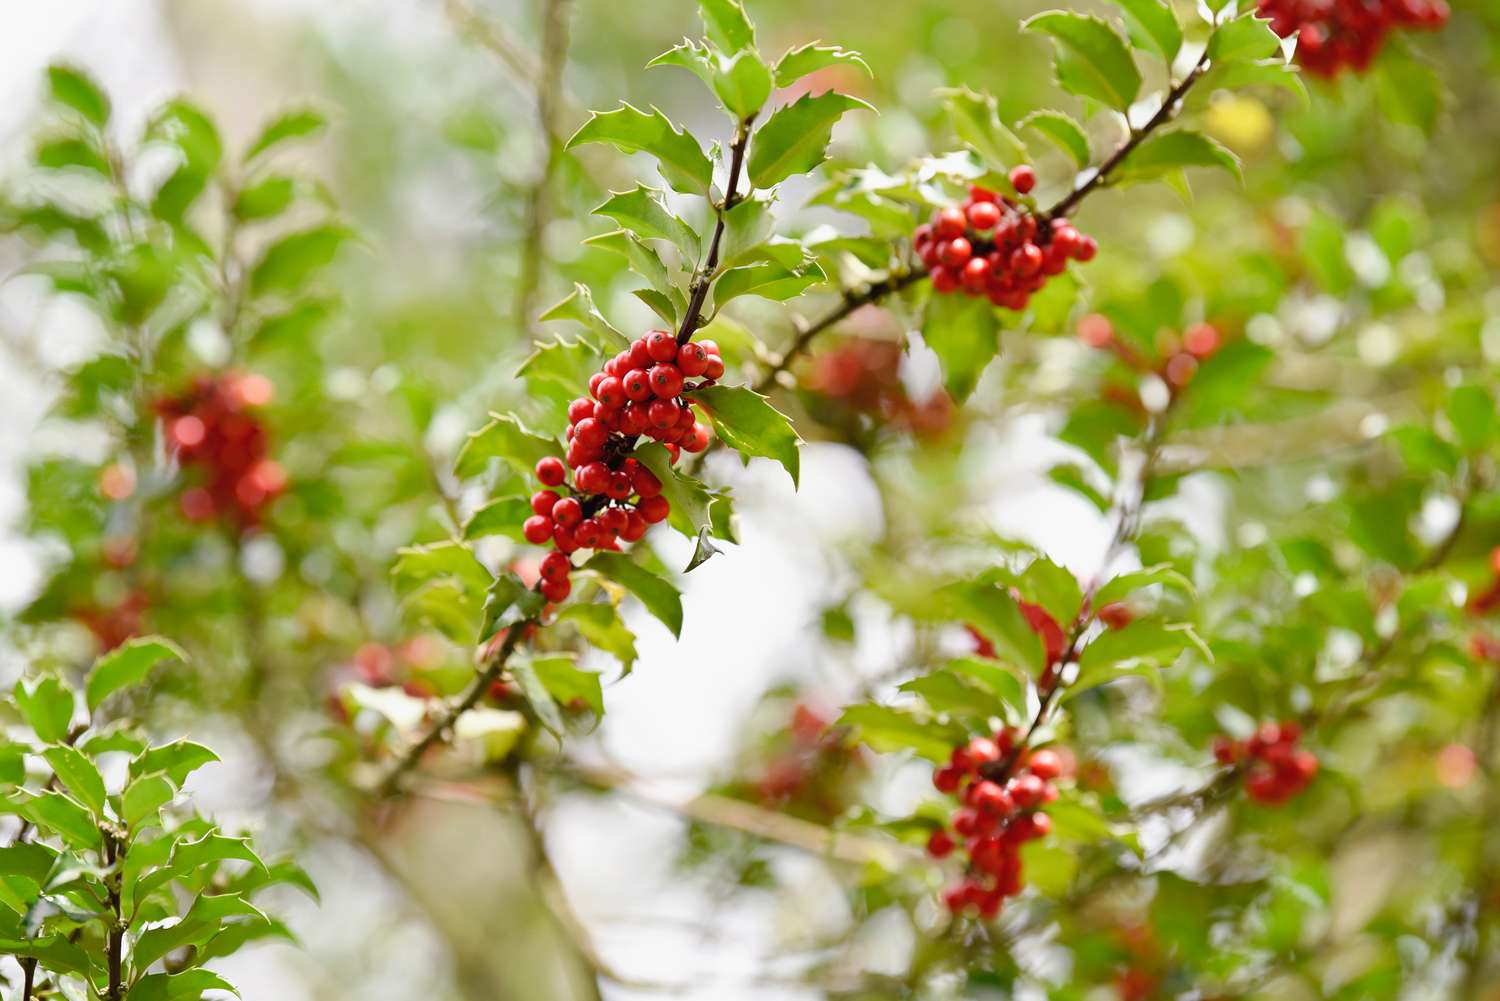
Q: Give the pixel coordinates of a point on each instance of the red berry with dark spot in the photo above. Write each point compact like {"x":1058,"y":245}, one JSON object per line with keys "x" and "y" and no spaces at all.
{"x":1022,"y":178}
{"x":692,"y":360}
{"x":542,"y":502}
{"x":949,"y":224}
{"x":567,"y":512}
{"x":551,"y":471}
{"x":666,"y":380}
{"x":661,"y":345}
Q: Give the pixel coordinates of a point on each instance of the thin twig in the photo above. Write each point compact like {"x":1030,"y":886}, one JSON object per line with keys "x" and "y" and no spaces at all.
{"x":703,"y":279}
{"x":539,"y":198}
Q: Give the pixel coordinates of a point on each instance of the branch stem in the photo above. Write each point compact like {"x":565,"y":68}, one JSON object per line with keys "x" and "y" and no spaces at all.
{"x":698,"y":290}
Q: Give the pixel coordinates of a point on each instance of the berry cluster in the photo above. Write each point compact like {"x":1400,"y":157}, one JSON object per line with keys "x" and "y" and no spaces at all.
{"x":210,"y":426}
{"x":994,"y":246}
{"x":614,"y":497}
{"x":1334,"y":34}
{"x":1279,"y":769}
{"x":1178,"y":355}
{"x":863,"y":374}
{"x":1002,"y":788}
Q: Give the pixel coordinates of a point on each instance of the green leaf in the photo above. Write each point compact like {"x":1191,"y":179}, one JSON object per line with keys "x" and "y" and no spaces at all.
{"x":180,"y":124}
{"x":995,"y":614}
{"x":128,"y":665}
{"x":644,"y":212}
{"x":1275,"y":72}
{"x":500,"y":517}
{"x":566,"y":681}
{"x":265,"y":198}
{"x":660,"y":597}
{"x":600,"y":625}
{"x":295,"y":124}
{"x":994,"y":678}
{"x":964,"y":334}
{"x":1244,"y":38}
{"x":55,"y":813}
{"x":1153,"y":28}
{"x":743,"y":83}
{"x":176,"y":761}
{"x":143,"y":799}
{"x":888,"y":730}
{"x":976,"y":121}
{"x":60,"y":154}
{"x":689,"y":498}
{"x":579,"y":306}
{"x":208,"y":914}
{"x":703,"y":550}
{"x":189,"y":984}
{"x":953,"y":694}
{"x":643,"y":260}
{"x":537,"y":695}
{"x":47,"y":706}
{"x":1127,"y":584}
{"x":799,"y":62}
{"x":727,"y":25}
{"x":683,"y":162}
{"x":747,"y":423}
{"x":1168,"y":151}
{"x":566,"y":363}
{"x":768,"y":279}
{"x":1063,"y":131}
{"x":795,"y":139}
{"x":1092,"y":61}
{"x":504,"y":437}
{"x":1423,"y":451}
{"x":1142,"y":642}
{"x":289,"y":263}
{"x":79,"y":775}
{"x":1471,"y":409}
{"x":1053,"y":587}
{"x":507,"y":602}
{"x":73,"y":88}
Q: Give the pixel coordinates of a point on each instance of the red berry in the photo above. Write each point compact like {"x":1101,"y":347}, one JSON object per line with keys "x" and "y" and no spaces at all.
{"x":592,"y":478}
{"x":654,"y":509}
{"x":590,"y":433}
{"x":537,"y":529}
{"x":661,"y":345}
{"x":640,"y":354}
{"x":692,"y":359}
{"x":620,"y":485}
{"x":1045,"y":764}
{"x":542,"y":502}
{"x":1201,"y":339}
{"x":1023,"y":179}
{"x":944,"y":280}
{"x":635,"y":526}
{"x":949,"y":224}
{"x":947,"y":778}
{"x":555,"y":566}
{"x":984,"y":215}
{"x":1027,"y":260}
{"x":1096,"y":331}
{"x":579,"y":409}
{"x":698,"y":438}
{"x":613,"y":520}
{"x":567,"y":512}
{"x":662,"y":414}
{"x":955,"y":253}
{"x":1027,"y":790}
{"x":1087,"y":248}
{"x":981,"y":751}
{"x":715,"y":369}
{"x":978,"y":194}
{"x":637,"y":385}
{"x":666,"y":380}
{"x":1226,"y":751}
{"x":551,"y":471}
{"x":562,"y":538}
{"x":610,"y":392}
{"x":556,"y":590}
{"x":645,"y":482}
{"x":976,"y":274}
{"x":940,"y":844}
{"x":587,"y":533}
{"x":989,"y":797}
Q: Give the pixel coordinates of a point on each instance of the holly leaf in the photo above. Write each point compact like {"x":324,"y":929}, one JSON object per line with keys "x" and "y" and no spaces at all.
{"x":1127,"y":584}
{"x":506,"y":438}
{"x":747,"y":423}
{"x":660,"y":597}
{"x":128,"y":665}
{"x":976,"y":121}
{"x":524,"y":671}
{"x":1153,"y":28}
{"x":1244,"y":38}
{"x":795,"y":139}
{"x":888,"y":730}
{"x":47,"y":706}
{"x":579,"y":307}
{"x":176,"y":760}
{"x":297,"y":123}
{"x":79,"y":775}
{"x":1169,"y":151}
{"x":727,"y":25}
{"x":1092,"y":60}
{"x":500,"y":517}
{"x":643,"y":211}
{"x":994,"y":613}
{"x":55,"y":813}
{"x":73,"y":88}
{"x":1063,"y":131}
{"x":289,"y":263}
{"x":799,"y":62}
{"x":964,"y":334}
{"x":683,"y":162}
{"x":566,"y":680}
